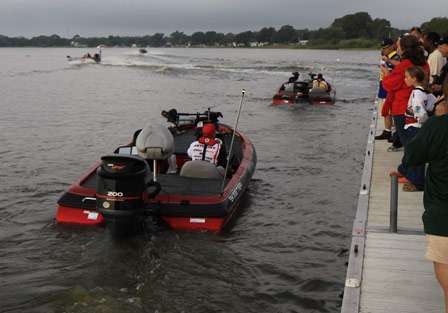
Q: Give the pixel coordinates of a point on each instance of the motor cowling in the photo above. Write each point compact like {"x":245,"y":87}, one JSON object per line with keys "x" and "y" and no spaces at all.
{"x":121,"y":192}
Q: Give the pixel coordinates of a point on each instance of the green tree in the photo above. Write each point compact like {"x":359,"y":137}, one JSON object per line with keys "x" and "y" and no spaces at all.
{"x":437,"y":24}
{"x":198,"y":38}
{"x":286,"y":34}
{"x":380,"y":28}
{"x":354,"y":25}
{"x":245,"y":37}
{"x":303,"y":34}
{"x":265,"y":34}
{"x":333,"y":34}
{"x":210,"y":38}
{"x":220,"y":38}
{"x":178,"y":38}
{"x":229,"y":38}
{"x":157,"y":40}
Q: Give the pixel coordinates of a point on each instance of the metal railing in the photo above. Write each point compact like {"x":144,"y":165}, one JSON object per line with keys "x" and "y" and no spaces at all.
{"x":393,"y":220}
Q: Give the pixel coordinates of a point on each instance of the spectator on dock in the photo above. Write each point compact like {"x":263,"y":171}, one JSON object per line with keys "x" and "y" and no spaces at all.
{"x":430,"y":145}
{"x":411,"y":54}
{"x":435,"y":58}
{"x":417,"y":33}
{"x":416,"y":114}
{"x":389,"y":58}
{"x":443,"y":48}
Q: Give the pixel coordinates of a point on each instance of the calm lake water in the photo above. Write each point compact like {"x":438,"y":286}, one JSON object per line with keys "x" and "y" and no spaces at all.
{"x":285,"y":252}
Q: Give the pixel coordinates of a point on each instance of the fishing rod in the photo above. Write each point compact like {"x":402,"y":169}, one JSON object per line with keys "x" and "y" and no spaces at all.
{"x":243,"y":92}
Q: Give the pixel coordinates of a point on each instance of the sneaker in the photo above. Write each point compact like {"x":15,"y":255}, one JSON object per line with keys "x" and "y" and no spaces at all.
{"x":396,"y":173}
{"x":384,"y":136}
{"x":395,"y":149}
{"x":410,"y":187}
{"x":397,"y":143}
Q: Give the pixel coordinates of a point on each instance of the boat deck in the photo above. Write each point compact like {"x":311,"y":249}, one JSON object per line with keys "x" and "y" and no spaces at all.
{"x":388,"y":271}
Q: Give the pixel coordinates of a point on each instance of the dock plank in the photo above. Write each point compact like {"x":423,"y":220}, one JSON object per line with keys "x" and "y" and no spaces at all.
{"x":394,"y":275}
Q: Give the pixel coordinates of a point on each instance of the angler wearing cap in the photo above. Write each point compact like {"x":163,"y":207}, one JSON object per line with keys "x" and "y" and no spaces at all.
{"x":389,"y":58}
{"x":208,"y":147}
{"x":294,"y":77}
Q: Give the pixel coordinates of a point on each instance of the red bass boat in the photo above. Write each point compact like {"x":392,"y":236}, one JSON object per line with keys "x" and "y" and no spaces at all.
{"x":153,"y":176}
{"x":295,"y":91}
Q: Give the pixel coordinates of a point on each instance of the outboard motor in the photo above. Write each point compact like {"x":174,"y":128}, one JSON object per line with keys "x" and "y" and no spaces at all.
{"x":121,"y":192}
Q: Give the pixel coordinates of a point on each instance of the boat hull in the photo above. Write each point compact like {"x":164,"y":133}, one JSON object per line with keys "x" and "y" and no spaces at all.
{"x":209,"y":210}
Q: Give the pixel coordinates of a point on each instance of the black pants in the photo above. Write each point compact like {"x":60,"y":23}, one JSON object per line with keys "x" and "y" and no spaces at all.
{"x":400,"y":137}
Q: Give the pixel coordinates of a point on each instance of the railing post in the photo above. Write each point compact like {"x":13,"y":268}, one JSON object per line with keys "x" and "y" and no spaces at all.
{"x":393,"y":203}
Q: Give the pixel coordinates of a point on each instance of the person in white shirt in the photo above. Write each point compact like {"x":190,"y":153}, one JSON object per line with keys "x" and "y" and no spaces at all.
{"x":435,"y":58}
{"x":420,"y":102}
{"x":208,"y":147}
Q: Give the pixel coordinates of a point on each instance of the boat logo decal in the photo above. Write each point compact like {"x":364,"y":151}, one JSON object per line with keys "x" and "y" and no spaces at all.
{"x":117,"y":167}
{"x":114,"y":194}
{"x":197,"y":220}
{"x":91,"y":215}
{"x":235,"y":192}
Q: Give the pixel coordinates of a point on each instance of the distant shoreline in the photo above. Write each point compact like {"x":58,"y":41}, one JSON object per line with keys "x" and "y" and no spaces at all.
{"x":270,"y":47}
{"x":357,"y":31}
{"x":353,"y":31}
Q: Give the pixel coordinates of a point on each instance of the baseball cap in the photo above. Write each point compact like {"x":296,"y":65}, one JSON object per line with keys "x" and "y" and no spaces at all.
{"x":443,"y":40}
{"x":387,"y":42}
{"x":209,"y":131}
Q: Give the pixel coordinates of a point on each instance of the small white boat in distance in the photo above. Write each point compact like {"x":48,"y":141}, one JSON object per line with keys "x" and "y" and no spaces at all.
{"x":87,"y":58}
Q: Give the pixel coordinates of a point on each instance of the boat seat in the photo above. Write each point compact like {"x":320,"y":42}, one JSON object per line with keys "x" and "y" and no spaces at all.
{"x":155,"y":142}
{"x":201,"y":169}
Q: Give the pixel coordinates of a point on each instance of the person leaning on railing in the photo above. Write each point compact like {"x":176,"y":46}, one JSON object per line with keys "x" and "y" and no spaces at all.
{"x":430,"y":145}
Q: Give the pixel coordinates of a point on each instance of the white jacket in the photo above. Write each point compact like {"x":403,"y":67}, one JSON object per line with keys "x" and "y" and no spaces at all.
{"x":196,"y":151}
{"x":418,"y":104}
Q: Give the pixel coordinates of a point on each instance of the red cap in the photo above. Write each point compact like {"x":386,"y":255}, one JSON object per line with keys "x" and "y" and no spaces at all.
{"x":209,"y":131}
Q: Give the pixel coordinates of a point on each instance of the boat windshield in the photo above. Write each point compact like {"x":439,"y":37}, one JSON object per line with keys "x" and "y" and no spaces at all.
{"x":127,"y":150}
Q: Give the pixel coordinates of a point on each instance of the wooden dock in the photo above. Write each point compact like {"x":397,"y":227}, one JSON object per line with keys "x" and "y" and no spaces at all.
{"x":388,"y":272}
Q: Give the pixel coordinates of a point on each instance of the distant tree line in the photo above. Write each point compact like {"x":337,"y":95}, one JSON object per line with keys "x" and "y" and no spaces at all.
{"x":352,"y":30}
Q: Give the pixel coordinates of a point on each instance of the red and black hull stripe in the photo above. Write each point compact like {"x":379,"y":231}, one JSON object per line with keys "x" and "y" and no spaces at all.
{"x":179,"y":211}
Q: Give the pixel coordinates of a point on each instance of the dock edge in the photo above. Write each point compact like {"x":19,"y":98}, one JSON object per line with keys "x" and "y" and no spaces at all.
{"x":352,"y":289}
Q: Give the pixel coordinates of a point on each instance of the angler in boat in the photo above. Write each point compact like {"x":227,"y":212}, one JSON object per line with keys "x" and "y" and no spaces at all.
{"x":87,"y":58}
{"x":140,"y":179}
{"x":315,"y":89}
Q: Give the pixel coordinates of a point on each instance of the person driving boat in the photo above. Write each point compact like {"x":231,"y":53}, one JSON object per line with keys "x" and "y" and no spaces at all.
{"x":208,"y":147}
{"x":320,"y":82}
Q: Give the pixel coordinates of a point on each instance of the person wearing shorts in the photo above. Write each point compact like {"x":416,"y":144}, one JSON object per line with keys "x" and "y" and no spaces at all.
{"x":430,"y":145}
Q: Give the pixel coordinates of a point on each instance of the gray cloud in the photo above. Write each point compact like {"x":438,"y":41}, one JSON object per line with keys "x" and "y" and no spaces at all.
{"x":137,"y":17}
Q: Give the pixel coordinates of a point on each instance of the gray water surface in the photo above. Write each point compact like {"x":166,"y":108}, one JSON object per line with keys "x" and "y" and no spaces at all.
{"x":285,"y":252}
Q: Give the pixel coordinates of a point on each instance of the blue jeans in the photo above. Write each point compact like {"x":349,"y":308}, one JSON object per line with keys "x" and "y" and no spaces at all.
{"x":415,"y":174}
{"x":399,"y":121}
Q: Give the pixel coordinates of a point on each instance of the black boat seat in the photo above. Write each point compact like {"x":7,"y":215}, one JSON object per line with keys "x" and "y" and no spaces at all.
{"x":201,"y":169}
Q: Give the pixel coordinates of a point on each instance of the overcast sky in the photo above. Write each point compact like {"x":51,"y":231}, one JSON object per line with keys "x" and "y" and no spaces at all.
{"x":137,"y":17}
